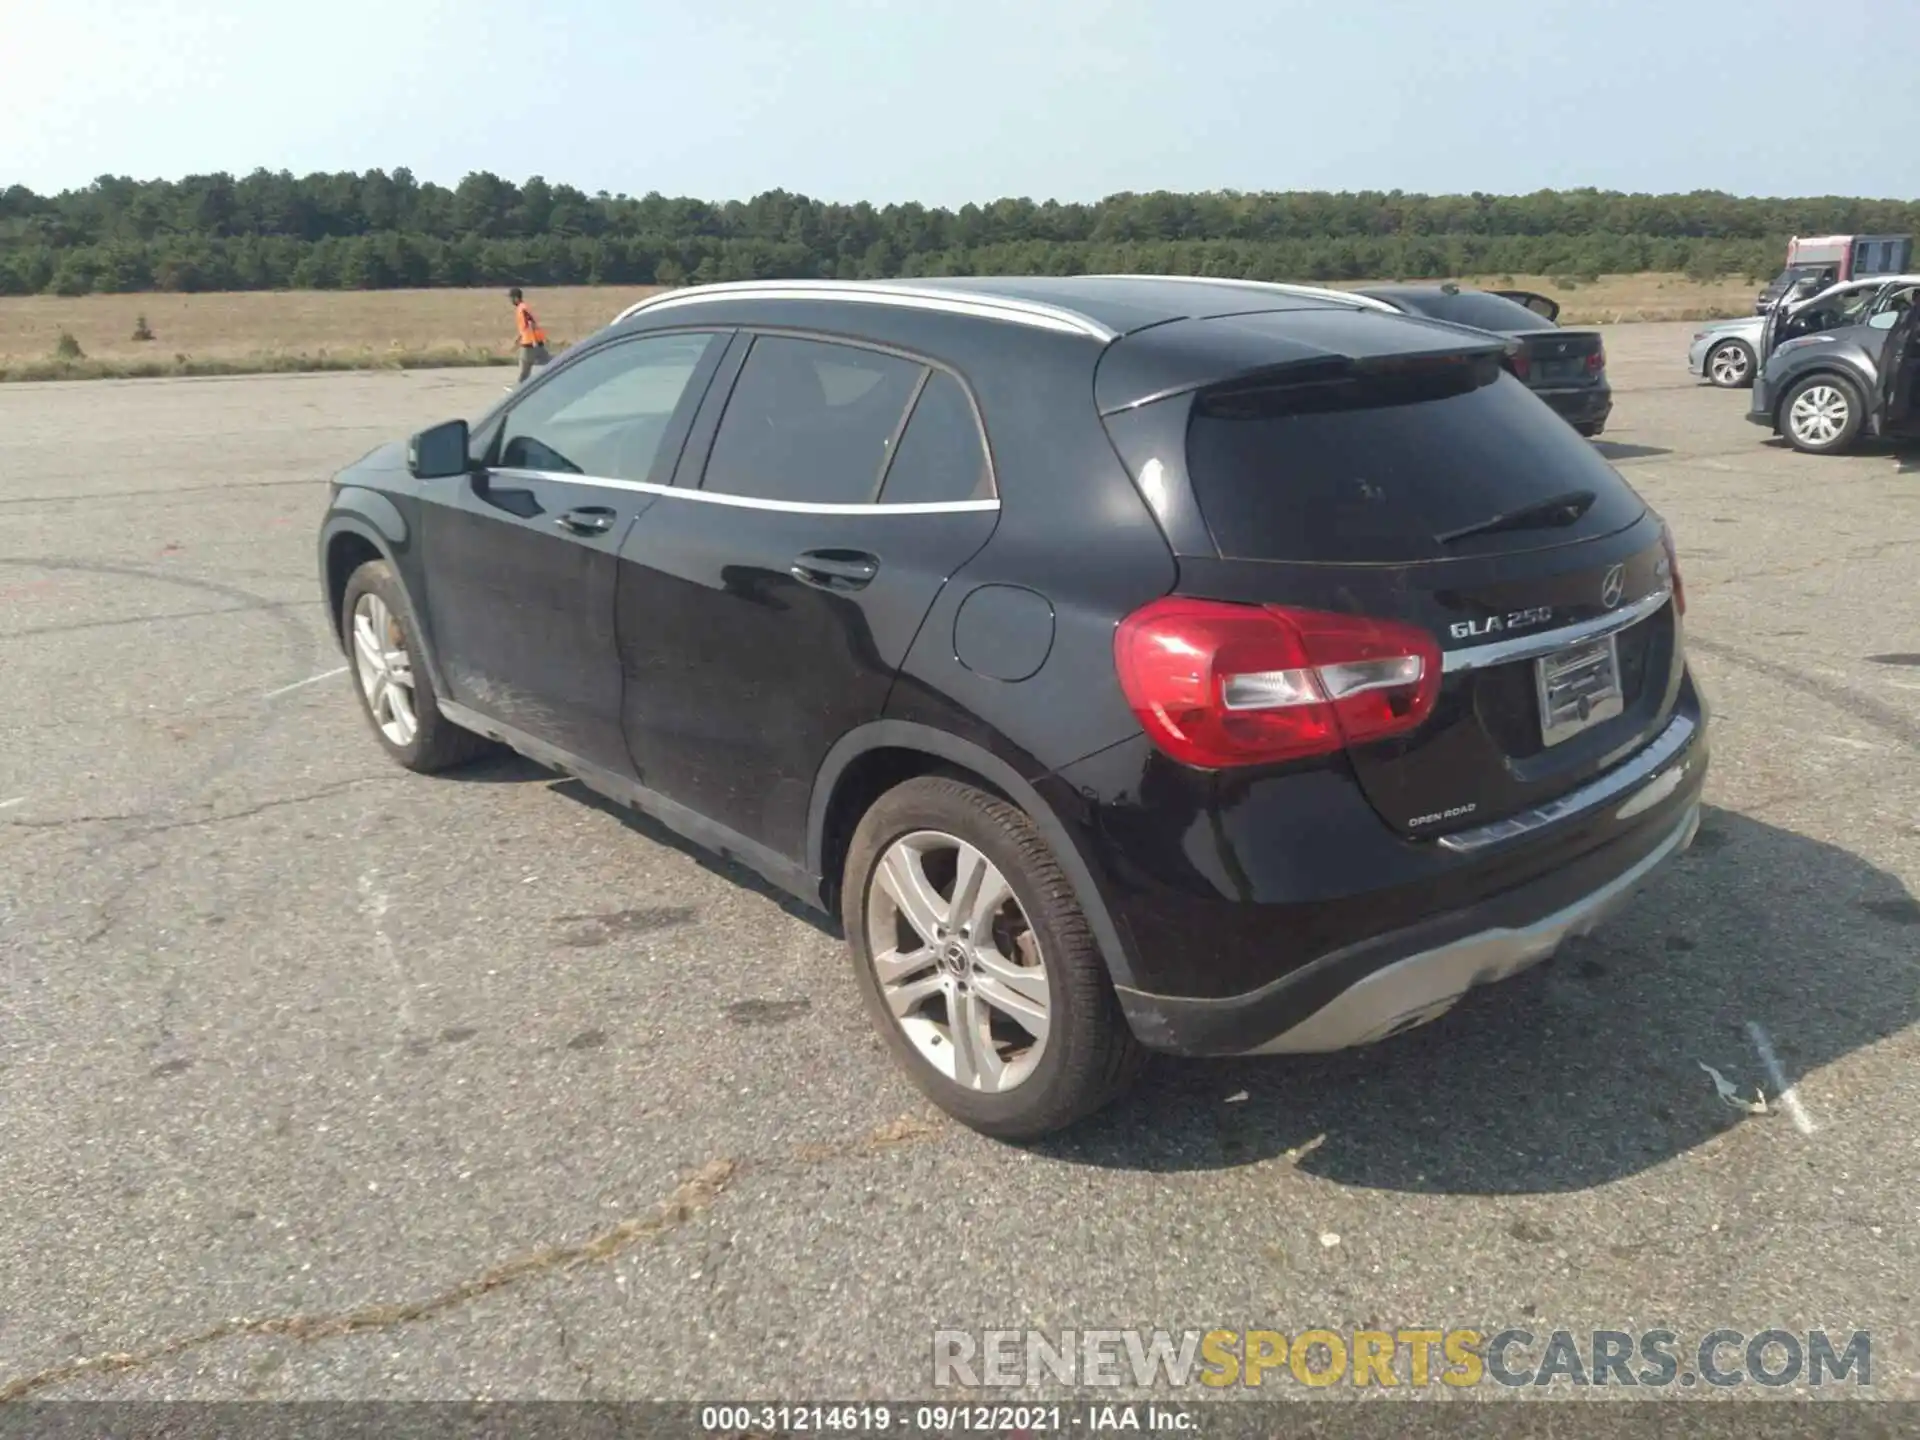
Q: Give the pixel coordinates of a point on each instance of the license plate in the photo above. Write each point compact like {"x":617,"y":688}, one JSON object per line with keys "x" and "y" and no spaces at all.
{"x":1559,"y":369}
{"x":1578,"y":687}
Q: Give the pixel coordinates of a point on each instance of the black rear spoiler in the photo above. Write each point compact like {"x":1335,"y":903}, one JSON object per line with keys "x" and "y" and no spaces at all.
{"x":1338,"y":382}
{"x":1263,"y":351}
{"x":1539,"y":304}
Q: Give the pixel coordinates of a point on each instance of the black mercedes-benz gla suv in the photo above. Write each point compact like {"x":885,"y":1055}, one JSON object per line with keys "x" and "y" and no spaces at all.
{"x":1131,"y":662}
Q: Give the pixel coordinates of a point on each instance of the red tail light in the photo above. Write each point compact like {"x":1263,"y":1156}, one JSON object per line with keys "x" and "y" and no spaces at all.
{"x":1218,"y":684}
{"x":1597,"y":361}
{"x":1519,"y":361}
{"x":1673,"y":569}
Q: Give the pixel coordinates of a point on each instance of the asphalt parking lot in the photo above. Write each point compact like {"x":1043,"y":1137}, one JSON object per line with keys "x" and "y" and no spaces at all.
{"x":318,"y":1079}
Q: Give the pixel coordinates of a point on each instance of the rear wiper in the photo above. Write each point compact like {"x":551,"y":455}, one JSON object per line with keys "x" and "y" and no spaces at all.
{"x":1542,"y":514}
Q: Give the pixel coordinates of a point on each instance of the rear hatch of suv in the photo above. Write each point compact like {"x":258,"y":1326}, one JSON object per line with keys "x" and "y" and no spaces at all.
{"x":1433,"y":493}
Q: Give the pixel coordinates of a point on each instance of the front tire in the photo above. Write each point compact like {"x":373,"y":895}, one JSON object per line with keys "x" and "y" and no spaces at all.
{"x":1821,"y":415}
{"x":1729,"y":365}
{"x":396,"y":693}
{"x":977,"y":963}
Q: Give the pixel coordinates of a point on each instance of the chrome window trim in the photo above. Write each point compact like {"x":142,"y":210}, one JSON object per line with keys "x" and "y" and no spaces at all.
{"x":754,"y":502}
{"x":1529,"y":647}
{"x":1644,"y":767}
{"x":981,"y":305}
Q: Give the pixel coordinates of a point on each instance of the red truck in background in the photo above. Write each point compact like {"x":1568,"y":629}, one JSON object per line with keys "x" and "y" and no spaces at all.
{"x":1829,"y":259}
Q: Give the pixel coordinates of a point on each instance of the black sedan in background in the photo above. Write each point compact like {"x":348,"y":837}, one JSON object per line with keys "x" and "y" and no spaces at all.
{"x":1565,"y":368}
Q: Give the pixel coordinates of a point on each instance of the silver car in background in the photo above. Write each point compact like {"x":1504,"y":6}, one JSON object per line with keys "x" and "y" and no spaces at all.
{"x":1727,"y":352}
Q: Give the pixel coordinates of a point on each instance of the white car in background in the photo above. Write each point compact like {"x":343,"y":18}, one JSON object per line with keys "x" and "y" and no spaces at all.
{"x":1727,"y":352}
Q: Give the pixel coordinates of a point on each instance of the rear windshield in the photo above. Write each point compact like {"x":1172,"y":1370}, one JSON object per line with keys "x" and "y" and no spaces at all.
{"x":1475,"y":308}
{"x":1378,"y":469}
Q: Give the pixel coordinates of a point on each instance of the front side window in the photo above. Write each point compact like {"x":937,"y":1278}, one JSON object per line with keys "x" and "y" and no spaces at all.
{"x":605,"y":415}
{"x":811,"y":422}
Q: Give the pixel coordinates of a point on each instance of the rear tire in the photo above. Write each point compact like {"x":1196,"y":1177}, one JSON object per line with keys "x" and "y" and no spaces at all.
{"x":396,"y":693}
{"x":1729,"y":365}
{"x":1593,"y":429}
{"x":1821,"y":415}
{"x":1060,"y":1049}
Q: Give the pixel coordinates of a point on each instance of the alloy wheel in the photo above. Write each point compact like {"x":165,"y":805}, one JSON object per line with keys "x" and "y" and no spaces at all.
{"x":1818,"y":415}
{"x":385,"y":669}
{"x":1729,"y":366}
{"x":958,"y":962}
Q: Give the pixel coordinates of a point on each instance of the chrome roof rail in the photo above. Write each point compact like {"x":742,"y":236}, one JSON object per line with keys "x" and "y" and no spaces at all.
{"x":1304,"y":292}
{"x":981,"y":303}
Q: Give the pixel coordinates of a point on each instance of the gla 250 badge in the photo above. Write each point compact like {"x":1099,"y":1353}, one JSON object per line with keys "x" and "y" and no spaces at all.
{"x":1612,"y":587}
{"x":1497,"y":624}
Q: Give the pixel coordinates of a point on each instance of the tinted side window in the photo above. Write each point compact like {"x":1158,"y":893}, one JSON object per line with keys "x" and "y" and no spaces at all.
{"x":942,"y":455}
{"x":606,"y":414}
{"x":810,"y":421}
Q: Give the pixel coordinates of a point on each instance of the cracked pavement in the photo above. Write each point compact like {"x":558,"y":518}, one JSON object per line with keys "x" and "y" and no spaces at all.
{"x":319,"y":1080}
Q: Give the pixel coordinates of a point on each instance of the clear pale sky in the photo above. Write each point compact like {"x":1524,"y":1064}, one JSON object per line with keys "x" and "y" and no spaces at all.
{"x":946,"y":101}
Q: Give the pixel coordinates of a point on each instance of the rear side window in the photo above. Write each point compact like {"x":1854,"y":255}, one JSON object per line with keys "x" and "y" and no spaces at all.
{"x":941,"y":456}
{"x":1475,"y":308}
{"x":1376,"y":469}
{"x":810,"y":421}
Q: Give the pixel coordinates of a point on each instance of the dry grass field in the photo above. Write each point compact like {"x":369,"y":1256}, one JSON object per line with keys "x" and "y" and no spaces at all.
{"x":360,"y":329}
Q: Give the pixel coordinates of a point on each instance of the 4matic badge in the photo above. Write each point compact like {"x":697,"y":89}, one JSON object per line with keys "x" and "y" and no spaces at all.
{"x":1500,"y":624}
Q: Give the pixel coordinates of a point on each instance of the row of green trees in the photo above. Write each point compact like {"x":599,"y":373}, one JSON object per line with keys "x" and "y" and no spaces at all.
{"x":380,"y":229}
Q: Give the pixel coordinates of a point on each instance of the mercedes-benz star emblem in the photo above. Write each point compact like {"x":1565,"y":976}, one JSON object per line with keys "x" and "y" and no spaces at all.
{"x":1611,"y":587}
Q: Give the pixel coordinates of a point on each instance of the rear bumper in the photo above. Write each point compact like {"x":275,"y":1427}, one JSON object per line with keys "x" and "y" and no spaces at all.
{"x":1365,"y":990}
{"x":1425,"y":985}
{"x":1581,"y":405}
{"x":1412,"y":977}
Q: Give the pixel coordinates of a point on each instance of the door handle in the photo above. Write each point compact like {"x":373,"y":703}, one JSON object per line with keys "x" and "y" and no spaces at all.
{"x":587,"y":520}
{"x":835,"y":569}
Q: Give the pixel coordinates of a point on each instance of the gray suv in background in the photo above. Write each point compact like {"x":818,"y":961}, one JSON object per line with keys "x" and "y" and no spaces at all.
{"x":1824,"y":390}
{"x":1727,"y":353}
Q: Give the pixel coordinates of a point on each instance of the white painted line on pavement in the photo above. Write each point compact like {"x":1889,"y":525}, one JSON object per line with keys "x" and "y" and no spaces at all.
{"x":9,"y":804}
{"x":310,"y":680}
{"x":1789,"y":1097}
{"x":373,"y":904}
{"x":1856,"y":744}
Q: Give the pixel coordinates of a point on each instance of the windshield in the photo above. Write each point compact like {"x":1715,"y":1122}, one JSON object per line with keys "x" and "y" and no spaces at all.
{"x":1816,"y":276}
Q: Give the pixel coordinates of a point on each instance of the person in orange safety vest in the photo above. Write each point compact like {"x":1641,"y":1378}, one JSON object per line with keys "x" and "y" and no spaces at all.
{"x":532,"y":341}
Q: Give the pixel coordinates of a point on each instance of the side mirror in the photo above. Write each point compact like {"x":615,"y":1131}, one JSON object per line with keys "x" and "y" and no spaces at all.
{"x":1885,"y":320}
{"x":439,"y":452}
